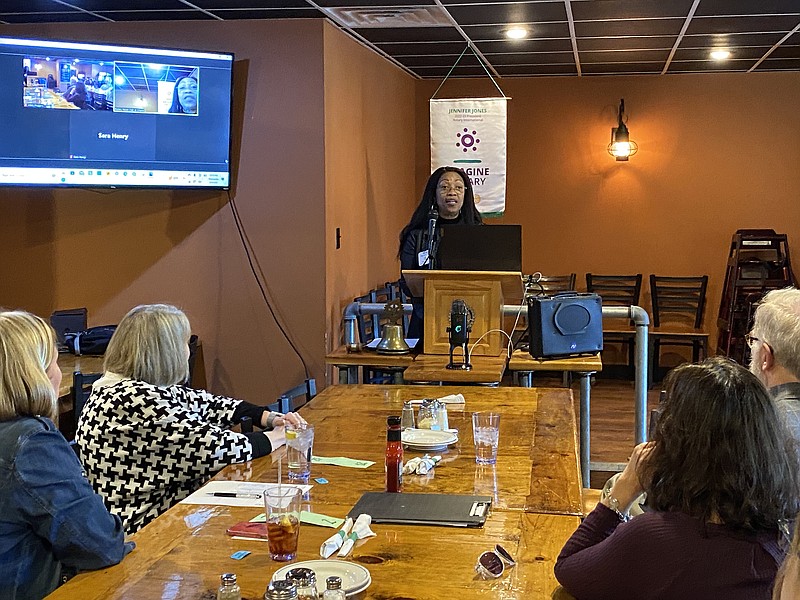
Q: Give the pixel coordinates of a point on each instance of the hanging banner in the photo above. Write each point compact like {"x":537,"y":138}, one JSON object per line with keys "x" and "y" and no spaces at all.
{"x":470,"y":133}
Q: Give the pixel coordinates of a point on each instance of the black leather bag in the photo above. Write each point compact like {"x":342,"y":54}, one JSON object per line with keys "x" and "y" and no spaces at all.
{"x":90,"y":341}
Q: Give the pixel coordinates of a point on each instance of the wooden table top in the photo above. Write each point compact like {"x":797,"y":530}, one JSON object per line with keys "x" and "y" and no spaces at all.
{"x":69,"y":363}
{"x":521,"y":360}
{"x":536,"y":486}
{"x":433,"y":367}
{"x":367,"y":358}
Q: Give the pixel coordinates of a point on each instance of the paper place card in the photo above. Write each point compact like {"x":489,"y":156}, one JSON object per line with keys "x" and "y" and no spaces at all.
{"x":449,"y":399}
{"x":342,"y":461}
{"x":236,"y":493}
{"x":311,"y":518}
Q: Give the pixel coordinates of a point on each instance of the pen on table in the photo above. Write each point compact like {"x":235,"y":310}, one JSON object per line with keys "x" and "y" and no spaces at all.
{"x":233,"y":495}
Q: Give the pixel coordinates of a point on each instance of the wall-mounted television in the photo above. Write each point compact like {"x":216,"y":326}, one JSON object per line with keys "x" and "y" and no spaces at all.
{"x":98,"y":115}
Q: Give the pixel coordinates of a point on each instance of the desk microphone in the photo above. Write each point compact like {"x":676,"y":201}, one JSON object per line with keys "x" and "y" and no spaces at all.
{"x":433,"y":216}
{"x":461,"y":318}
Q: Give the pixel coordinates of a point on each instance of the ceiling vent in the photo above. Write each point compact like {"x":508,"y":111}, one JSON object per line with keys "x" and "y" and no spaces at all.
{"x":390,"y":17}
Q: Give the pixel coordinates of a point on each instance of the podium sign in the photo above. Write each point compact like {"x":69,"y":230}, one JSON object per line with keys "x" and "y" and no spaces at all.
{"x":485,"y":292}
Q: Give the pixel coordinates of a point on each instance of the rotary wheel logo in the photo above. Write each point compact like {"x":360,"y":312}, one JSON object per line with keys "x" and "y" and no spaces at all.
{"x":467,"y":140}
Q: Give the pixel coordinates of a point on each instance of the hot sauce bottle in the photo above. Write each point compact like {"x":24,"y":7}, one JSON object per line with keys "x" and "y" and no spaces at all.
{"x":394,"y":455}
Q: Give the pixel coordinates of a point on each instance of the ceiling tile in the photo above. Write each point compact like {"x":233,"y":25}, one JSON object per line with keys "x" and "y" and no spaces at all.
{"x":627,"y":43}
{"x":782,"y":64}
{"x":212,"y":4}
{"x":422,"y":48}
{"x":366,"y":3}
{"x":411,"y":34}
{"x":533,"y":70}
{"x":531,"y":58}
{"x":30,"y":6}
{"x":156,"y":15}
{"x":75,"y":16}
{"x":600,"y":10}
{"x":747,"y":7}
{"x":785,"y":51}
{"x":447,"y":60}
{"x":704,"y":66}
{"x":530,"y":45}
{"x":738,"y":24}
{"x":743,"y":52}
{"x":271,"y":13}
{"x":512,"y":12}
{"x":537,"y":30}
{"x":103,"y":5}
{"x":624,"y":56}
{"x":731,"y":40}
{"x":637,"y":27}
{"x":621,"y":68}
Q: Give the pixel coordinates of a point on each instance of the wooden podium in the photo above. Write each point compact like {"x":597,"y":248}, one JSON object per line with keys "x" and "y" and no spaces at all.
{"x":485,"y":292}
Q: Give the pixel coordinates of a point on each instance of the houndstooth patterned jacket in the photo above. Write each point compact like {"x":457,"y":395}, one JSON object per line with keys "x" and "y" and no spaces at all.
{"x":146,"y":447}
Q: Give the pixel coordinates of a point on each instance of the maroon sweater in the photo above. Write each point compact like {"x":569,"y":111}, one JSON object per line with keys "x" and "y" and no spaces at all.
{"x":660,"y":555}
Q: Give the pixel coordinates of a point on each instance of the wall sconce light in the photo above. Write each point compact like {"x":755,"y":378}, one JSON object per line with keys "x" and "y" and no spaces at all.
{"x":622,"y":146}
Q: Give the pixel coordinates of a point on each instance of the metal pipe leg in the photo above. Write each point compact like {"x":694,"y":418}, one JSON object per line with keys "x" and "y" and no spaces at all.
{"x":586,"y":390}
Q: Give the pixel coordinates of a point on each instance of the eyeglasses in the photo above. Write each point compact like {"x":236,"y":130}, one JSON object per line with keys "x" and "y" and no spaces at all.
{"x":492,"y":564}
{"x":447,"y":188}
{"x":751,"y":339}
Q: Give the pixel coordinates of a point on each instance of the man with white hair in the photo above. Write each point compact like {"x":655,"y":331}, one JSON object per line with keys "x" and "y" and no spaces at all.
{"x":775,"y":351}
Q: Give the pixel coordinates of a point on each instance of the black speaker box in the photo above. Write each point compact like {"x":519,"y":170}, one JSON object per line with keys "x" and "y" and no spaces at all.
{"x":565,"y":324}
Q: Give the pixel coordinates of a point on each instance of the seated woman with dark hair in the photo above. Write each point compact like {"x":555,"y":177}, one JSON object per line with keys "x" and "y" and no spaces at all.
{"x":51,"y":522}
{"x":721,"y":478}
{"x":146,"y":440}
{"x":449,"y":192}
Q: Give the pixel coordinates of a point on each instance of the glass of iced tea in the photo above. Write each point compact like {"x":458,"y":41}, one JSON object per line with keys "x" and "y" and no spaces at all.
{"x":282,"y":507}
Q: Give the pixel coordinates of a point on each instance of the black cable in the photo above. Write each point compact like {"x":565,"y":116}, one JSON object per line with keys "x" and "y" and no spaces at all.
{"x":261,"y":286}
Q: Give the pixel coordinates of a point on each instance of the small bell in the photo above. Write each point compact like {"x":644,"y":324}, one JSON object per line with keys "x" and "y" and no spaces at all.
{"x":392,"y":341}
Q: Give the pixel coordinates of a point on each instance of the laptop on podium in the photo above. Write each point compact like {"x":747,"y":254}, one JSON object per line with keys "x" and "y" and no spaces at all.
{"x":481,"y":248}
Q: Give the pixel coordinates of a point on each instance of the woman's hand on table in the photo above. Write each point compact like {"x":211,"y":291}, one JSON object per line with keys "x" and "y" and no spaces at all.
{"x":290,"y":417}
{"x":273,"y":419}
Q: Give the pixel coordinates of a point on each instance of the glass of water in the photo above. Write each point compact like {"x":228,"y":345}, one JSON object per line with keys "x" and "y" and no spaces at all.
{"x":299,"y":447}
{"x":486,"y":433}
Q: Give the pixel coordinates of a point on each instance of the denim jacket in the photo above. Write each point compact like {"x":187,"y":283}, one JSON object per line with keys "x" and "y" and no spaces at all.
{"x":51,"y":522}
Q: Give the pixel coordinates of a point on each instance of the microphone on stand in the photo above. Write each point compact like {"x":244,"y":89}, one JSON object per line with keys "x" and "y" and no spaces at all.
{"x":433,"y":216}
{"x":460,"y":326}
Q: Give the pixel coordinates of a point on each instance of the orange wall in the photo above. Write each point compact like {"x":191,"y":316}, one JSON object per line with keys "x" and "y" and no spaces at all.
{"x":369,"y":169}
{"x":717,"y":153}
{"x":109,"y":250}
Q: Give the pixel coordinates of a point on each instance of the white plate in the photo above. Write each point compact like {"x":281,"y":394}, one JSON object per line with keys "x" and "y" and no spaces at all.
{"x":355,"y":578}
{"x":428,"y":439}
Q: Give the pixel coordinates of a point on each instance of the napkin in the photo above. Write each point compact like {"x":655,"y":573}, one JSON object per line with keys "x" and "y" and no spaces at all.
{"x":333,"y":543}
{"x":360,"y":531}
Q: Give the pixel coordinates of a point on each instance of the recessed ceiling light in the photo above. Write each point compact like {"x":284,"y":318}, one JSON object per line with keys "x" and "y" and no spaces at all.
{"x":516,"y":33}
{"x":720,"y":54}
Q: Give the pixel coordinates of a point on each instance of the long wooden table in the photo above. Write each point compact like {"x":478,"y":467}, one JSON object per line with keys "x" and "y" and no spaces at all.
{"x":585,"y":366}
{"x":536,"y":486}
{"x":69,"y":363}
{"x":418,"y":367}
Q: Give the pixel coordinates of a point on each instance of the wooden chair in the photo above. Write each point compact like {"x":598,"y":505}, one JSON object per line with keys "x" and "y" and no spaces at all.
{"x":295,"y":398}
{"x":678,"y":305}
{"x":80,"y":392}
{"x":552,"y":284}
{"x":618,"y":290}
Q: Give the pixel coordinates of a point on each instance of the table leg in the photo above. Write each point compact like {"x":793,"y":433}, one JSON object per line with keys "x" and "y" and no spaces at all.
{"x":585,"y":402}
{"x":525,"y":378}
{"x":347,"y":374}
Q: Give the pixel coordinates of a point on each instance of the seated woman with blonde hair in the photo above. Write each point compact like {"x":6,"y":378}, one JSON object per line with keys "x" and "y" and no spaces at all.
{"x":721,"y":478}
{"x":51,"y":522}
{"x":146,"y":440}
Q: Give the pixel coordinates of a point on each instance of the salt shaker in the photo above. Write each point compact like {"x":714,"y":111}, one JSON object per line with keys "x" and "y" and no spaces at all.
{"x":306,"y":581}
{"x":334,"y":590}
{"x":282,"y":589}
{"x":407,"y":420}
{"x":229,"y":589}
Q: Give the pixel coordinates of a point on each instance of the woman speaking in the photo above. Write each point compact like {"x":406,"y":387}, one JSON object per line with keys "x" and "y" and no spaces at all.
{"x":447,"y":201}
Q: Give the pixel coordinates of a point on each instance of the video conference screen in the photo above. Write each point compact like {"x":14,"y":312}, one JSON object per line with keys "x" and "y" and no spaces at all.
{"x":92,"y":115}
